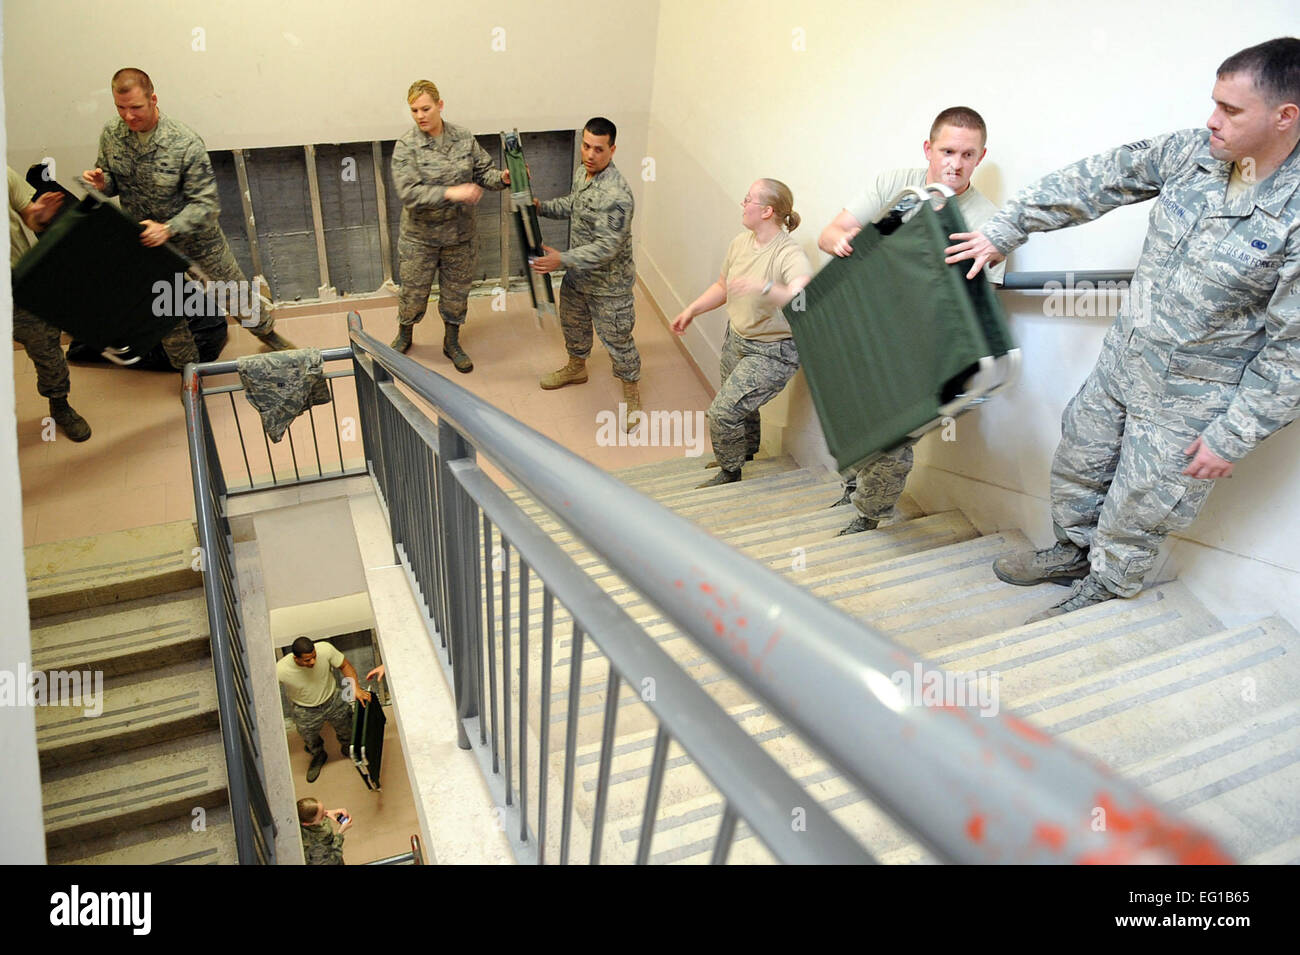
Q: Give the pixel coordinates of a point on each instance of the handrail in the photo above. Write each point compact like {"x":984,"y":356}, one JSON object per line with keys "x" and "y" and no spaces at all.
{"x":1064,"y":281}
{"x":937,"y":770}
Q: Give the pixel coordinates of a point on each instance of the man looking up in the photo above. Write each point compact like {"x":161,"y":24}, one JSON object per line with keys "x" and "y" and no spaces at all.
{"x":314,"y":697}
{"x":955,"y":148}
{"x":598,"y":282}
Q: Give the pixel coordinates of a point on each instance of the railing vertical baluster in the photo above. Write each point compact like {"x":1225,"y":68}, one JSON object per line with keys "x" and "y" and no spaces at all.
{"x":491,"y":644}
{"x":334,"y":409}
{"x":544,"y":724}
{"x":293,"y":453}
{"x":612,"y":687}
{"x":270,"y":460}
{"x":726,"y":830}
{"x":523,"y":699}
{"x":311,"y":417}
{"x":662,"y":739}
{"x":506,"y":676}
{"x":571,"y":739}
{"x":242,"y":450}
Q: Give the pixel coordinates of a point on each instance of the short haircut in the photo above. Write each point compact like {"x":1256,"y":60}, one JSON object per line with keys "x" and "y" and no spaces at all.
{"x":1275,"y":67}
{"x":600,"y":126}
{"x":308,"y":807}
{"x":129,"y":78}
{"x":419,"y":88}
{"x":303,"y":646}
{"x":961,"y":116}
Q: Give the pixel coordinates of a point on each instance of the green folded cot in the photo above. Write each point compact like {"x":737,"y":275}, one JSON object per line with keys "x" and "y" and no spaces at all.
{"x":892,"y":340}
{"x":90,"y":276}
{"x":527,"y":224}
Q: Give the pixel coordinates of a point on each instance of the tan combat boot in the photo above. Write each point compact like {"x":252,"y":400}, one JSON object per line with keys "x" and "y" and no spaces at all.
{"x":276,"y":342}
{"x":632,"y":399}
{"x":574,"y":373}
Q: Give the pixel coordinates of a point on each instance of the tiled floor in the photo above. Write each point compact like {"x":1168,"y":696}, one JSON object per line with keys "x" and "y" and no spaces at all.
{"x":134,"y":470}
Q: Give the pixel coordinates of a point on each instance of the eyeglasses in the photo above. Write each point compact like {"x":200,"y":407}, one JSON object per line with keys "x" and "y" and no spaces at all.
{"x":747,"y":201}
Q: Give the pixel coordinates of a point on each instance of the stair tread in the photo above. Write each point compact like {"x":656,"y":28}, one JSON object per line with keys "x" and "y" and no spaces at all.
{"x":121,"y":565}
{"x":136,"y":707}
{"x":97,"y":638}
{"x":172,"y":842}
{"x":108,"y":787}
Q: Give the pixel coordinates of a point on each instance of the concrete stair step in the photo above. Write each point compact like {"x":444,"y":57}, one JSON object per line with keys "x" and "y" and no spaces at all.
{"x":136,"y":788}
{"x":171,"y":842}
{"x":111,"y":568}
{"x":682,"y":474}
{"x":1079,"y":645}
{"x":137,"y":710}
{"x":1147,"y":707}
{"x":126,"y":637}
{"x":1239,"y":783}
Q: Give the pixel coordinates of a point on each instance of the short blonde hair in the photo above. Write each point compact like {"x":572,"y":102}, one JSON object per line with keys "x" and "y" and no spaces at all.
{"x":308,"y":807}
{"x":129,"y":78}
{"x":419,"y":88}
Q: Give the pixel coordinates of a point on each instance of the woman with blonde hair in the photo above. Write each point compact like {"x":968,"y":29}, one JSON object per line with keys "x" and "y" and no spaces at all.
{"x":763,"y":271}
{"x":440,"y":172}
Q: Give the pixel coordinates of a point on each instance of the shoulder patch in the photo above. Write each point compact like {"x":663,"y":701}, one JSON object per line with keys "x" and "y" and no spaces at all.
{"x":1140,"y":144}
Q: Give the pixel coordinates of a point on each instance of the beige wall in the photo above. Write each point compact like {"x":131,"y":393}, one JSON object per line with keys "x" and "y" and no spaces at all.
{"x":22,"y":832}
{"x":286,"y":72}
{"x":735,"y":99}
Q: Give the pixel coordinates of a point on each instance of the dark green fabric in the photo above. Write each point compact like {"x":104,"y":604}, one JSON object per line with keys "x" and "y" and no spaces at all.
{"x":521,"y":186}
{"x":368,"y":739}
{"x":90,"y":276}
{"x":889,"y":333}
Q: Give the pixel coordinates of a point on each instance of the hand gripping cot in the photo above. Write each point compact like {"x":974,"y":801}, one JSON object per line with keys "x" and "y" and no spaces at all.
{"x":892,"y":340}
{"x":90,"y":276}
{"x":367,"y":747}
{"x":528,"y":224}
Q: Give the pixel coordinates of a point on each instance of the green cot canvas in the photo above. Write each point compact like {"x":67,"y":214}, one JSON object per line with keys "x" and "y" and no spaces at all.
{"x":90,"y":276}
{"x":888,"y":335}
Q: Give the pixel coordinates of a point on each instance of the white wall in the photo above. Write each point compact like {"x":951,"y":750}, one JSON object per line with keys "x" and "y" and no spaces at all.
{"x":736,"y":99}
{"x":22,"y":829}
{"x":287,"y":72}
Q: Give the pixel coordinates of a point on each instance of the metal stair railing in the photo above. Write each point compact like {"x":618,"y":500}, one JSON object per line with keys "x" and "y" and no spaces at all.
{"x":251,"y":813}
{"x":970,"y":789}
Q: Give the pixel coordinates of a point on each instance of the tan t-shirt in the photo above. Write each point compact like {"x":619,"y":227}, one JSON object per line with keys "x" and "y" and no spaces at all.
{"x":975,"y":208}
{"x":313,"y":685}
{"x":781,"y":261}
{"x":20,"y":197}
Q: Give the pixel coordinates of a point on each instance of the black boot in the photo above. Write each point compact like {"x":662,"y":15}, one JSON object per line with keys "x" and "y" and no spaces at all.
{"x":69,"y":422}
{"x":451,"y":348}
{"x":402,"y":342}
{"x":722,"y":477}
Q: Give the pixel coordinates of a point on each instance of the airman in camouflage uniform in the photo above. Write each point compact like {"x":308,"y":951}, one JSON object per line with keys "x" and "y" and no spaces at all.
{"x":321,"y":845}
{"x":161,"y":170}
{"x":42,"y":341}
{"x":599,"y":276}
{"x":440,"y":172}
{"x":1203,"y":362}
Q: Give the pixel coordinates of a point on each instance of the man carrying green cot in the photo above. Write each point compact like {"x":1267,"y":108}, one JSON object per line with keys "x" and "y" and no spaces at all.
{"x":42,"y":340}
{"x":162,"y":172}
{"x":1203,"y":362}
{"x":597,"y":289}
{"x":316,"y":699}
{"x":955,"y":147}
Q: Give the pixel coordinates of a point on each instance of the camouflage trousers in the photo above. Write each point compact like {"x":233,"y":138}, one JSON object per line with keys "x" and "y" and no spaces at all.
{"x":418,"y":264}
{"x":179,"y":346}
{"x":612,"y":316}
{"x":753,"y":373}
{"x":45,"y":348}
{"x":211,"y":254}
{"x":1117,"y":481}
{"x":880,"y":483}
{"x":309,"y":720}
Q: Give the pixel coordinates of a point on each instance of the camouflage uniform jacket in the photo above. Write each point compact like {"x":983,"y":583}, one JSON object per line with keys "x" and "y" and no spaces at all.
{"x":423,"y":167}
{"x":599,"y":210}
{"x":1210,"y":333}
{"x":321,"y":845}
{"x":170,"y":180}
